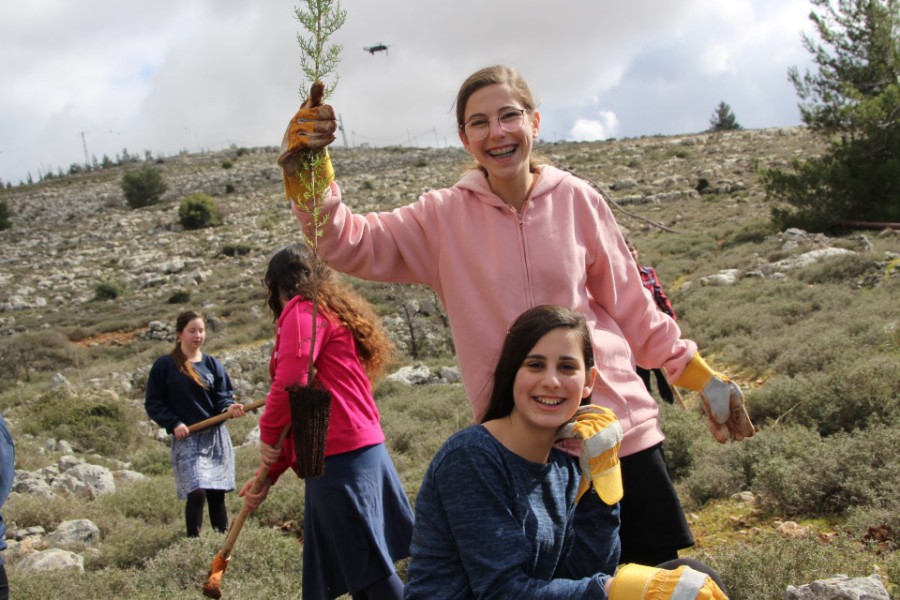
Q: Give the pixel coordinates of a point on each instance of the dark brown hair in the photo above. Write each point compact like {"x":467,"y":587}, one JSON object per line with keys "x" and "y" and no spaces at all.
{"x":523,"y":334}
{"x":294,"y":271}
{"x":181,"y":361}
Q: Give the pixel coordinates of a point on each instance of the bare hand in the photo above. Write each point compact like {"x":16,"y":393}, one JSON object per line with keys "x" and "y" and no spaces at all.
{"x":268,"y":455}
{"x":251,"y":500}
{"x":236,"y":410}
{"x":181,"y":431}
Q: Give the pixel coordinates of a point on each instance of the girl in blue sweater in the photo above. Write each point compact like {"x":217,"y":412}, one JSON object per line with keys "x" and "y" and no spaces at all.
{"x":503,"y":513}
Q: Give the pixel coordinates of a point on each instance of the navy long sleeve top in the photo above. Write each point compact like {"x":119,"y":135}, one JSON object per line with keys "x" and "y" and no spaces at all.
{"x":172,"y":397}
{"x":491,"y":524}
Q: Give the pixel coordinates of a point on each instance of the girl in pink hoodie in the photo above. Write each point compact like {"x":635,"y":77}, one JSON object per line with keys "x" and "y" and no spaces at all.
{"x":513,"y":234}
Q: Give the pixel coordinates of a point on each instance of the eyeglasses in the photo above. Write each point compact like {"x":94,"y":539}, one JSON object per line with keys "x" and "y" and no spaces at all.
{"x":477,"y":128}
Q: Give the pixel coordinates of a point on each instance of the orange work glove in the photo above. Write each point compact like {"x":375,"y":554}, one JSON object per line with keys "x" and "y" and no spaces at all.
{"x":723,"y":401}
{"x":638,"y":582}
{"x":305,"y":164}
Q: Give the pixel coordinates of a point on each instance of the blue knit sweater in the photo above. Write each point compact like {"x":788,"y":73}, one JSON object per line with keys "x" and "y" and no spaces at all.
{"x":490,"y":524}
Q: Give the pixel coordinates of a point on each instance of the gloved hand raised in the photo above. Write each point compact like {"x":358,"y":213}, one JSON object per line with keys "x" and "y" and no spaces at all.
{"x":638,"y":582}
{"x":600,"y":434}
{"x":307,"y":135}
{"x":723,"y":401}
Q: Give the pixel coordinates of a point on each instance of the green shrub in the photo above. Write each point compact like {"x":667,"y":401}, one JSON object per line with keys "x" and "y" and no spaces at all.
{"x":143,"y":187}
{"x":721,"y":470}
{"x":179,"y":297}
{"x":806,"y":475}
{"x":5,"y":222}
{"x":765,"y":563}
{"x":227,"y":164}
{"x":854,"y":393}
{"x":89,"y":420}
{"x":24,"y":354}
{"x":839,"y":269}
{"x":754,"y":232}
{"x":29,"y":510}
{"x":236,"y":249}
{"x":107,"y":290}
{"x":710,"y":481}
{"x":198,"y":211}
{"x":687,"y":438}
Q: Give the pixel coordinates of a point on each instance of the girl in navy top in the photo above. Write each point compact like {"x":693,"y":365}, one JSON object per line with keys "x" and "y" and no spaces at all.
{"x":185,"y":387}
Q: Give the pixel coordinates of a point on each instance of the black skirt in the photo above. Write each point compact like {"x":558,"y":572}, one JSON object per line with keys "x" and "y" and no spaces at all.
{"x":653,"y":526}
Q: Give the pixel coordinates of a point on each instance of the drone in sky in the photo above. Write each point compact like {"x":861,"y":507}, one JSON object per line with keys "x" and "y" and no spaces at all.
{"x":376,"y":48}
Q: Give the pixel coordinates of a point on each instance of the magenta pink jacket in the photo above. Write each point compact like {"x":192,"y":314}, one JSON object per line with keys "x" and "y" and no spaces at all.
{"x":354,"y":421}
{"x":488,"y":264}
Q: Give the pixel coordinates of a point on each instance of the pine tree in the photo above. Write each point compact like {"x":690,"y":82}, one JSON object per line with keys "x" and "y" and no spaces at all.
{"x":853,"y":103}
{"x":723,"y":119}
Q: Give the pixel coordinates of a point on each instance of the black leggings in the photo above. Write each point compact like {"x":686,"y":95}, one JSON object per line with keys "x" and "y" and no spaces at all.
{"x":193,"y":511}
{"x":389,"y":588}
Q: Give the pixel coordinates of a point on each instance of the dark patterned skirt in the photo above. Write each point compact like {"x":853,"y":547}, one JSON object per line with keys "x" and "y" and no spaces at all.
{"x":203,"y":461}
{"x":358,"y":523}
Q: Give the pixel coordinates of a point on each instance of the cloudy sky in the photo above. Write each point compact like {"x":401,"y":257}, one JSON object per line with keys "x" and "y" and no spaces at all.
{"x":99,"y":76}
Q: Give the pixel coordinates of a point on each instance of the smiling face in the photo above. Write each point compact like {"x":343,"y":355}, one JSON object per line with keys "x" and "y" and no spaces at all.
{"x":552,"y":381}
{"x":192,"y":337}
{"x":504,"y":155}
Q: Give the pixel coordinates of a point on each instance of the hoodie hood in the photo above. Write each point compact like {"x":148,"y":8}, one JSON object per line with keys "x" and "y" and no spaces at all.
{"x":475,"y":181}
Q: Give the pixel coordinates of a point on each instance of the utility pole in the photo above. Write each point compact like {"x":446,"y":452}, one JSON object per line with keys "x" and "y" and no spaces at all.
{"x":87,"y":161}
{"x":343,"y":133}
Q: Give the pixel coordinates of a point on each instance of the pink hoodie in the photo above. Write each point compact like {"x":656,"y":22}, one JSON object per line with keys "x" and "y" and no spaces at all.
{"x":488,"y":264}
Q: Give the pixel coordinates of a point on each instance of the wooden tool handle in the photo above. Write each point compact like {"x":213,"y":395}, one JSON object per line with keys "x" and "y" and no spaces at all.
{"x":222,"y":417}
{"x":239,"y":520}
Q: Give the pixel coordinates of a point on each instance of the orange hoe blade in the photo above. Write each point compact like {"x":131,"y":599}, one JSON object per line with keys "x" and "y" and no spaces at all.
{"x":212,"y":588}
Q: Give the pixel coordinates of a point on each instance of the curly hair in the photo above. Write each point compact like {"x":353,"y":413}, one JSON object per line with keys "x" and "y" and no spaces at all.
{"x":295,"y":271}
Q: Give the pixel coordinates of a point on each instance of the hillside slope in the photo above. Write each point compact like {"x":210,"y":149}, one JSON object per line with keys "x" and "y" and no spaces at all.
{"x":807,"y":324}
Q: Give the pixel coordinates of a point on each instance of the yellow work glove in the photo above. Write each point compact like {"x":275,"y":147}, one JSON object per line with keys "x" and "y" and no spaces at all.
{"x":304,"y":143}
{"x":600,"y":434}
{"x":638,"y":582}
{"x":723,"y":401}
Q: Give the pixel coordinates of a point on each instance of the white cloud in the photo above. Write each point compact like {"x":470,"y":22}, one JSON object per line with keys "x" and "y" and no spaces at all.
{"x":603,"y":128}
